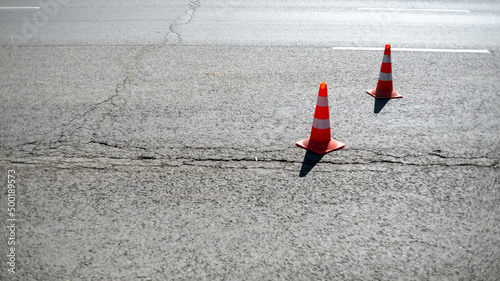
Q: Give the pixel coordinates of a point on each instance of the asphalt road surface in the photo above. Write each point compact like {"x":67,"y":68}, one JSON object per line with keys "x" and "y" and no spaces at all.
{"x":146,"y":140}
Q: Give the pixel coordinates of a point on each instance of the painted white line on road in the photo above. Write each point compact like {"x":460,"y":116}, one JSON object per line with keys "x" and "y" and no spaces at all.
{"x":12,"y":8}
{"x":413,"y":50}
{"x":417,"y":10}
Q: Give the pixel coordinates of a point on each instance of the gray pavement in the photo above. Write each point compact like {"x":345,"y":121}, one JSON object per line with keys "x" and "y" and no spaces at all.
{"x":156,"y":141}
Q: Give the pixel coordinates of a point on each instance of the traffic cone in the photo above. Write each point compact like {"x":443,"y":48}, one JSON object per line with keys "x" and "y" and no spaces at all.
{"x":321,"y":140}
{"x":384,"y":86}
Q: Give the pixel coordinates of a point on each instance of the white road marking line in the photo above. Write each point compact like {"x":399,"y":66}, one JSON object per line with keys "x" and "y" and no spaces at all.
{"x":417,"y":10}
{"x":12,"y":8}
{"x":413,"y":50}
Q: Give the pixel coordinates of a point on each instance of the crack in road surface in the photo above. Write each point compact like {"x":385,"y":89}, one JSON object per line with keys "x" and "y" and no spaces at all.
{"x":173,"y":37}
{"x":182,"y":20}
{"x":216,"y":162}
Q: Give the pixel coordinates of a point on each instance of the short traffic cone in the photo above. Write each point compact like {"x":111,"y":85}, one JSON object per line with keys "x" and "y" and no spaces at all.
{"x":321,"y":140}
{"x":384,"y":86}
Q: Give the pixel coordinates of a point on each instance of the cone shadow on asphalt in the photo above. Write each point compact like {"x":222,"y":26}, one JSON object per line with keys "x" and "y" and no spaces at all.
{"x":310,"y":160}
{"x":379,"y":104}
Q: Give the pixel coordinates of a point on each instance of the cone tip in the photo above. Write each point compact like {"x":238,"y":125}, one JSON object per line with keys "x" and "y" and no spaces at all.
{"x":387,"y":50}
{"x":322,"y":86}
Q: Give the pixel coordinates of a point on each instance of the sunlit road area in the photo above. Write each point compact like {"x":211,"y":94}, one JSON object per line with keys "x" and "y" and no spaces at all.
{"x":155,"y":140}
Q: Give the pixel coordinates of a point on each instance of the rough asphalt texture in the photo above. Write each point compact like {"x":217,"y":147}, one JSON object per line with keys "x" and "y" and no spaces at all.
{"x":179,"y":162}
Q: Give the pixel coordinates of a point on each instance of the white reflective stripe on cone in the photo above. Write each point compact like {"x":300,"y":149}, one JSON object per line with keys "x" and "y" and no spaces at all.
{"x":322,"y":101}
{"x":386,"y":59}
{"x":385,"y":76}
{"x":321,"y":123}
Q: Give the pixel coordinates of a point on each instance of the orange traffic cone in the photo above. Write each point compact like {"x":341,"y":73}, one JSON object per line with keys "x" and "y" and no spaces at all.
{"x":384,"y":86}
{"x":321,"y":140}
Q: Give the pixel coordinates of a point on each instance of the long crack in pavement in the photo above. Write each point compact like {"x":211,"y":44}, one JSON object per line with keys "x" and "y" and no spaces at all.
{"x":173,"y":37}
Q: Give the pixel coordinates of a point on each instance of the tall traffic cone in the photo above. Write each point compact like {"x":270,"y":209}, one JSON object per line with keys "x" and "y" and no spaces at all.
{"x":384,"y":86}
{"x":321,"y":140}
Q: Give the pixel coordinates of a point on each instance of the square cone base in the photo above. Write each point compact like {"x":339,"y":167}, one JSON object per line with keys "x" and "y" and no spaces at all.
{"x":381,"y":94}
{"x":320,"y":147}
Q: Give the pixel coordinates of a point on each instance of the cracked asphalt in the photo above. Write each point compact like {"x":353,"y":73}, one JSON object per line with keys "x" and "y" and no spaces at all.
{"x":155,"y":141}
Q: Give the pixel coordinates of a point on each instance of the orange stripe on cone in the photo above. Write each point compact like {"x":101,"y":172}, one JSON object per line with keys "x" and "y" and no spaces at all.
{"x":384,"y":88}
{"x":321,"y":140}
